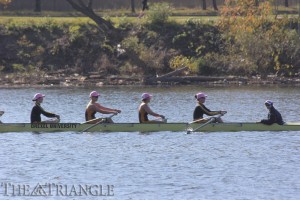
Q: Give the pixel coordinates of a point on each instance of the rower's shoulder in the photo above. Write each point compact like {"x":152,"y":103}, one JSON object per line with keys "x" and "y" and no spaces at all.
{"x":92,"y":104}
{"x":143,"y":104}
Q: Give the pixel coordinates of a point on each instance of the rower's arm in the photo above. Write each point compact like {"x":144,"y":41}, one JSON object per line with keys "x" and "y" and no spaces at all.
{"x":149,"y":111}
{"x":105,"y":110}
{"x":47,"y":114}
{"x":211,"y":113}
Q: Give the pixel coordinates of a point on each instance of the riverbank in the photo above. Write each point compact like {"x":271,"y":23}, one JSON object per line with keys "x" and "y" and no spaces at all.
{"x":94,"y":79}
{"x":143,"y":47}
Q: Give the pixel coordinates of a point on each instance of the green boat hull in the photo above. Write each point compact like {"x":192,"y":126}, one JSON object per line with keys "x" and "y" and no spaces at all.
{"x":137,"y":127}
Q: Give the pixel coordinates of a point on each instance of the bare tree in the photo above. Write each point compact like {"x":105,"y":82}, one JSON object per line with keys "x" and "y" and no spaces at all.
{"x":107,"y":28}
{"x":87,"y":9}
{"x":204,"y":4}
{"x":145,"y":5}
{"x":286,"y":3}
{"x":132,"y":6}
{"x":215,"y":6}
{"x":38,"y":6}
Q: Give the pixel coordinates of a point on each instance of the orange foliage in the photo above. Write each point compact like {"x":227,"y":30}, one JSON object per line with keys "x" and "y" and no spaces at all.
{"x":239,"y":16}
{"x":5,"y":2}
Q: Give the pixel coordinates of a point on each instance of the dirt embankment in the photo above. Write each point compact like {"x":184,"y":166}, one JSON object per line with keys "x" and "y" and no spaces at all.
{"x":60,"y":79}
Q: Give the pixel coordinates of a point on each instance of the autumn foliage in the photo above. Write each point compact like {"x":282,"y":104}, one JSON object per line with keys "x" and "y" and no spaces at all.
{"x":247,"y":40}
{"x":239,"y":16}
{"x":5,"y":2}
{"x":257,"y":43}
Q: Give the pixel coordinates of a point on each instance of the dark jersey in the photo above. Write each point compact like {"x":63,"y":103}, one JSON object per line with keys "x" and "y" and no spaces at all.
{"x":200,"y":110}
{"x":89,"y":114}
{"x":36,"y":112}
{"x":273,"y":117}
{"x":143,"y":116}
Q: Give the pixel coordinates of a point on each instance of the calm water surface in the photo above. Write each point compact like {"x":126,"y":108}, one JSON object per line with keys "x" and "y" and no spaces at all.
{"x":162,"y":165}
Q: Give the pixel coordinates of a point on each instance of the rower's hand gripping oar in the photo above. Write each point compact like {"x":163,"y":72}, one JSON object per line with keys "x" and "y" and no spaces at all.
{"x":212,"y":119}
{"x":88,"y":128}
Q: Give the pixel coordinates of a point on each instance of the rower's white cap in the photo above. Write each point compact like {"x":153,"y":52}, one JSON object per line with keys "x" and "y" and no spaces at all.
{"x":269,"y":102}
{"x":94,"y":94}
{"x":200,"y":95}
{"x":146,"y":96}
{"x":37,"y":96}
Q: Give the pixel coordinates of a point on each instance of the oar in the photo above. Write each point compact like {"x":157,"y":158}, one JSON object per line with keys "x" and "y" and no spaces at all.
{"x":206,"y":123}
{"x":88,"y":128}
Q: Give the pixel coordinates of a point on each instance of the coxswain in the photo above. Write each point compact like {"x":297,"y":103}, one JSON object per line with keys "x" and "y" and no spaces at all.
{"x":273,"y":116}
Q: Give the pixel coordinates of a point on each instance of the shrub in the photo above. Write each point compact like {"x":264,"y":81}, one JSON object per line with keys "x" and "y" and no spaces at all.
{"x":196,"y":39}
{"x":159,"y":14}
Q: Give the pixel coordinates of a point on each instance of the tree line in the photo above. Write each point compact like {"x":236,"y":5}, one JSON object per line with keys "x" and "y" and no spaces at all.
{"x":244,"y":41}
{"x":133,"y":5}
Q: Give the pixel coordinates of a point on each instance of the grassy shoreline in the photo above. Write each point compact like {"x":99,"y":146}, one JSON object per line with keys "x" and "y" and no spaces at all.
{"x":72,"y":43}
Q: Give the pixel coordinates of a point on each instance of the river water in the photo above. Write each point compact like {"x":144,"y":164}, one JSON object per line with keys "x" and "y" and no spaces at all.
{"x":161,"y":165}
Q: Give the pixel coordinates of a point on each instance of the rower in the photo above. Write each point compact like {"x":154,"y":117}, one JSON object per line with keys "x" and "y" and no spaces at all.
{"x":37,"y":110}
{"x":92,"y":108}
{"x":200,"y":110}
{"x":145,"y":110}
{"x":1,"y":113}
{"x":274,"y":116}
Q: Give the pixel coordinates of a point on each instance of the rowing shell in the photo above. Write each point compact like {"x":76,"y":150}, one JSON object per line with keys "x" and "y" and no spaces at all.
{"x":137,"y":127}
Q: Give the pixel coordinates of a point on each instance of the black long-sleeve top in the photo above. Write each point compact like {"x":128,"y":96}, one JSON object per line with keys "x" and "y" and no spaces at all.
{"x":36,"y":112}
{"x":273,"y":117}
{"x":200,"y":110}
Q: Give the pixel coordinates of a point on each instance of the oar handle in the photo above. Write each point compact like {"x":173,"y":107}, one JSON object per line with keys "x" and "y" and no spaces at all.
{"x":112,"y":115}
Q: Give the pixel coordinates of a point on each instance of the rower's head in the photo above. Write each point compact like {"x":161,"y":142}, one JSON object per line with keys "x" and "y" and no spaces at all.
{"x":38,"y":97}
{"x":94,"y":95}
{"x":269,"y":104}
{"x":200,"y":97}
{"x":146,"y":97}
